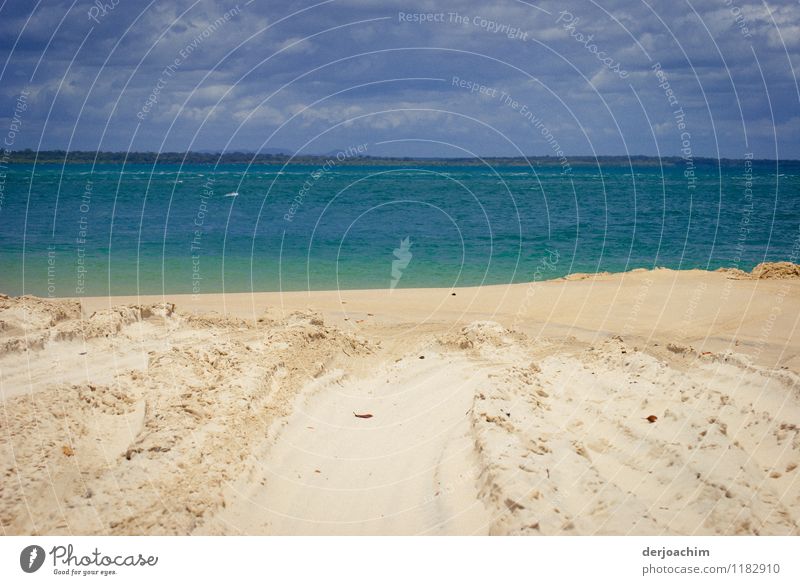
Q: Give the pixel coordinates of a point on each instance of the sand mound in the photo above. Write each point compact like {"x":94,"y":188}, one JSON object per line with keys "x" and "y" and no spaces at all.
{"x":27,"y":313}
{"x":734,"y":273}
{"x":306,"y":332}
{"x":765,"y":270}
{"x":214,"y":320}
{"x":613,"y":442}
{"x":778,"y":270}
{"x":479,"y":335}
{"x":31,"y":323}
{"x":152,"y":452}
{"x":109,"y":321}
{"x":25,"y":321}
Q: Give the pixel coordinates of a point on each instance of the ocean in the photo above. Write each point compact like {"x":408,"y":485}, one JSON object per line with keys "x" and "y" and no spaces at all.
{"x":83,"y":230}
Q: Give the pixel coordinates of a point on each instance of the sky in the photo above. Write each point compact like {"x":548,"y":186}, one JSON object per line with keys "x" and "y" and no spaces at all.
{"x":692,"y":78}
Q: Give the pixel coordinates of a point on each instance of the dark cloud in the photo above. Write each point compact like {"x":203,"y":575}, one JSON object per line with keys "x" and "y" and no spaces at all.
{"x":295,"y":75}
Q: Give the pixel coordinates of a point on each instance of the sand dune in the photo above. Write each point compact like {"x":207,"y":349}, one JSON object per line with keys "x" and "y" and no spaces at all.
{"x":644,"y":403}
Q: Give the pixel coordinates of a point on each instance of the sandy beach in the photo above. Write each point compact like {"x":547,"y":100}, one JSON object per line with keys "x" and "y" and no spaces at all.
{"x":648,"y":402}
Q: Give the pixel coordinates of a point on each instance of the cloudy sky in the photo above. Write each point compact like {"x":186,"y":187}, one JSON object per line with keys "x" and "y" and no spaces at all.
{"x":711,"y":78}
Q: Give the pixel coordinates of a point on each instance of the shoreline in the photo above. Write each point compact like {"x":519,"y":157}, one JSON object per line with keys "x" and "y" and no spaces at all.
{"x":778,"y":270}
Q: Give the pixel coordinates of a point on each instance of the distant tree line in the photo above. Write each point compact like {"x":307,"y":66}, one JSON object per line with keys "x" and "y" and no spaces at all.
{"x":105,"y":157}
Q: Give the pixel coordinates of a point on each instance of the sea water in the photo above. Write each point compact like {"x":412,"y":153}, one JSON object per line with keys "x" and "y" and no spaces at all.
{"x":79,"y":230}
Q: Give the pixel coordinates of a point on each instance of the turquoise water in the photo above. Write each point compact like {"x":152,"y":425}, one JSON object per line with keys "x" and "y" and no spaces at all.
{"x":81,"y":230}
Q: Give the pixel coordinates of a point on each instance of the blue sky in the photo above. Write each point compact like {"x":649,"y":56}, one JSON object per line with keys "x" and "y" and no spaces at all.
{"x":405,"y":78}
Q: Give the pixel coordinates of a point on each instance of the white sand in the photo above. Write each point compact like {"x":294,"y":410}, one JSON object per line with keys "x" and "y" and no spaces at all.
{"x":527,"y":415}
